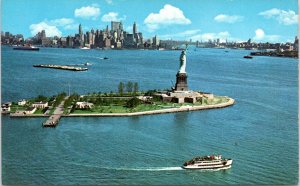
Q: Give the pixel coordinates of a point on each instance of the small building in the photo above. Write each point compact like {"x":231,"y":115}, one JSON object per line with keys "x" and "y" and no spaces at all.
{"x":40,"y":104}
{"x":22,"y":102}
{"x":30,"y":110}
{"x":84,"y":105}
{"x":5,"y":107}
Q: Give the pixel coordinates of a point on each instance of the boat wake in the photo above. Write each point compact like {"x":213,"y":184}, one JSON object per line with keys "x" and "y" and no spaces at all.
{"x":164,"y":169}
{"x":103,"y":58}
{"x":150,"y":169}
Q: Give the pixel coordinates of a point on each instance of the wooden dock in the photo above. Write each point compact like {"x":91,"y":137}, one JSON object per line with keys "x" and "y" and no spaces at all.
{"x":52,"y":121}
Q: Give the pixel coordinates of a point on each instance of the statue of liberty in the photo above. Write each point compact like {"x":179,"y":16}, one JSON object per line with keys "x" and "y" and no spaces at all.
{"x":182,"y":62}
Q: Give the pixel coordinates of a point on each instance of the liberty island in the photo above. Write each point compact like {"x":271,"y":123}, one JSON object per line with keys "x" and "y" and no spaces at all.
{"x":178,"y":99}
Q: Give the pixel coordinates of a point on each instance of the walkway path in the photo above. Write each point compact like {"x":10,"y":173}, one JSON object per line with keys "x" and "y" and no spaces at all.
{"x":54,"y":118}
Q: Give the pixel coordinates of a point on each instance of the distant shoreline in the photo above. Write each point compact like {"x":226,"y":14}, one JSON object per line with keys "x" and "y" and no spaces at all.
{"x":152,"y":112}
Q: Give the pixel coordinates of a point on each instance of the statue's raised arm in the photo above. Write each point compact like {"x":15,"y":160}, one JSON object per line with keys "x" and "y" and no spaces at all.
{"x":182,"y":62}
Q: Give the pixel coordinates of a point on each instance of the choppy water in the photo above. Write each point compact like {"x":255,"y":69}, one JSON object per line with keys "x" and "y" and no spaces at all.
{"x":260,"y":132}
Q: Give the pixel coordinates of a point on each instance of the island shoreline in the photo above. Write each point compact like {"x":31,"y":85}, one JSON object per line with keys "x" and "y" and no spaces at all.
{"x":230,"y":102}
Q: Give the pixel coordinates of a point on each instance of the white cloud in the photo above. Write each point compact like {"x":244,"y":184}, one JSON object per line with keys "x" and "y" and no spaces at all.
{"x":87,"y":12}
{"x":110,"y":2}
{"x":62,"y":21}
{"x":228,"y":18}
{"x":71,"y":27}
{"x":53,"y":27}
{"x":167,"y":16}
{"x":211,"y":36}
{"x":66,"y":23}
{"x":50,"y":30}
{"x":112,"y":16}
{"x":283,"y":17}
{"x":261,"y":36}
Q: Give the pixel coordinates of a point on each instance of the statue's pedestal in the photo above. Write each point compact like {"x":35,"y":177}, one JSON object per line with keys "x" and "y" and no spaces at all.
{"x":181,"y":82}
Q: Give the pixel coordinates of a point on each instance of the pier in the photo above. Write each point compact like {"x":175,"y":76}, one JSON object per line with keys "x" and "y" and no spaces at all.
{"x":62,"y":67}
{"x":53,"y":120}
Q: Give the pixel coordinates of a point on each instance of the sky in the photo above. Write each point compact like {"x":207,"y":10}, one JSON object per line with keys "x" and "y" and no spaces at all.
{"x":234,"y":20}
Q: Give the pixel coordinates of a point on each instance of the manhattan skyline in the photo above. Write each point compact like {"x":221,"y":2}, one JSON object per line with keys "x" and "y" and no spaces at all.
{"x":262,"y":21}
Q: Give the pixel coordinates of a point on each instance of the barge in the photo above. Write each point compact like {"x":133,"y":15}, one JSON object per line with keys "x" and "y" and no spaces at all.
{"x":62,"y":67}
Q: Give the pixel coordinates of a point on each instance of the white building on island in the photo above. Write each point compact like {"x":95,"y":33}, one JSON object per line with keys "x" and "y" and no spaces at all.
{"x":22,"y":102}
{"x":40,"y":104}
{"x":84,"y":105}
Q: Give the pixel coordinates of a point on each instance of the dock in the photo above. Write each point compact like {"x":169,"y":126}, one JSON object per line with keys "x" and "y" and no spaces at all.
{"x":62,"y":67}
{"x":53,"y":120}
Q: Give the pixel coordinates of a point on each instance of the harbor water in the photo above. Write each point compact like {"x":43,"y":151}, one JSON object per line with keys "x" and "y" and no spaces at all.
{"x":259,"y":132}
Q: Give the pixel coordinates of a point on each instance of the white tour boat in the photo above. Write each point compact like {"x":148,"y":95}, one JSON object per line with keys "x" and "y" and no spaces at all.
{"x":208,"y":162}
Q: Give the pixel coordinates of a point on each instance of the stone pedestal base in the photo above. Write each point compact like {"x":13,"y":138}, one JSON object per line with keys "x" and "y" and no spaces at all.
{"x":181,"y":82}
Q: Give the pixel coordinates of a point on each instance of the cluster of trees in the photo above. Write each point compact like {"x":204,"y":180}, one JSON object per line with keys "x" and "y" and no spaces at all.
{"x":107,"y":101}
{"x":129,"y":87}
{"x":133,"y":102}
{"x":41,"y":98}
{"x":70,"y":100}
{"x":59,"y":98}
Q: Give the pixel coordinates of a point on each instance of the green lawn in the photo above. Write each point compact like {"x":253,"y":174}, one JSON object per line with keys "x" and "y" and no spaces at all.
{"x":118,"y":109}
{"x":147,"y":107}
{"x":39,"y":111}
{"x":14,"y":108}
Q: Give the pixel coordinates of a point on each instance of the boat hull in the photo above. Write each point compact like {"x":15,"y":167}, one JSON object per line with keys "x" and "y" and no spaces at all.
{"x":206,"y":168}
{"x":26,"y":48}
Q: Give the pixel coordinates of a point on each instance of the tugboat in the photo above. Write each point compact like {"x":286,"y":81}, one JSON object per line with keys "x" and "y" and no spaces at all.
{"x":248,"y":57}
{"x":208,"y":162}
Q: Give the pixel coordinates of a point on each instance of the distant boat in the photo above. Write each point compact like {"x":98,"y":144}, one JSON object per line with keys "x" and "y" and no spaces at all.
{"x":32,"y":48}
{"x":248,"y":57}
{"x":82,"y":64}
{"x":87,"y":64}
{"x":105,"y":57}
{"x":220,"y":47}
{"x":84,"y":48}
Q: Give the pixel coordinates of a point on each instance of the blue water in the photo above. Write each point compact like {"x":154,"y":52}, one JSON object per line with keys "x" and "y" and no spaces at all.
{"x":260,"y":132}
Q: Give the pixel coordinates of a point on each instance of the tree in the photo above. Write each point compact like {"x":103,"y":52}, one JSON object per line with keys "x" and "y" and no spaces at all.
{"x":135,"y":88}
{"x":121,"y":88}
{"x":41,"y":98}
{"x":129,"y":86}
{"x":133,"y":102}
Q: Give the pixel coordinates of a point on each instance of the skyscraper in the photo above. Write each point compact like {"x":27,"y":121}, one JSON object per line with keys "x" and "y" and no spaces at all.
{"x":120,"y":26}
{"x":81,"y":36}
{"x":134,"y":29}
{"x":43,"y":34}
{"x":115,"y":25}
{"x":80,"y":30}
{"x":155,"y":41}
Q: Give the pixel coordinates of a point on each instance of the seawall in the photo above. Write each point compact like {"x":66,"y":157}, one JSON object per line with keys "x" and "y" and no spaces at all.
{"x":151,"y":112}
